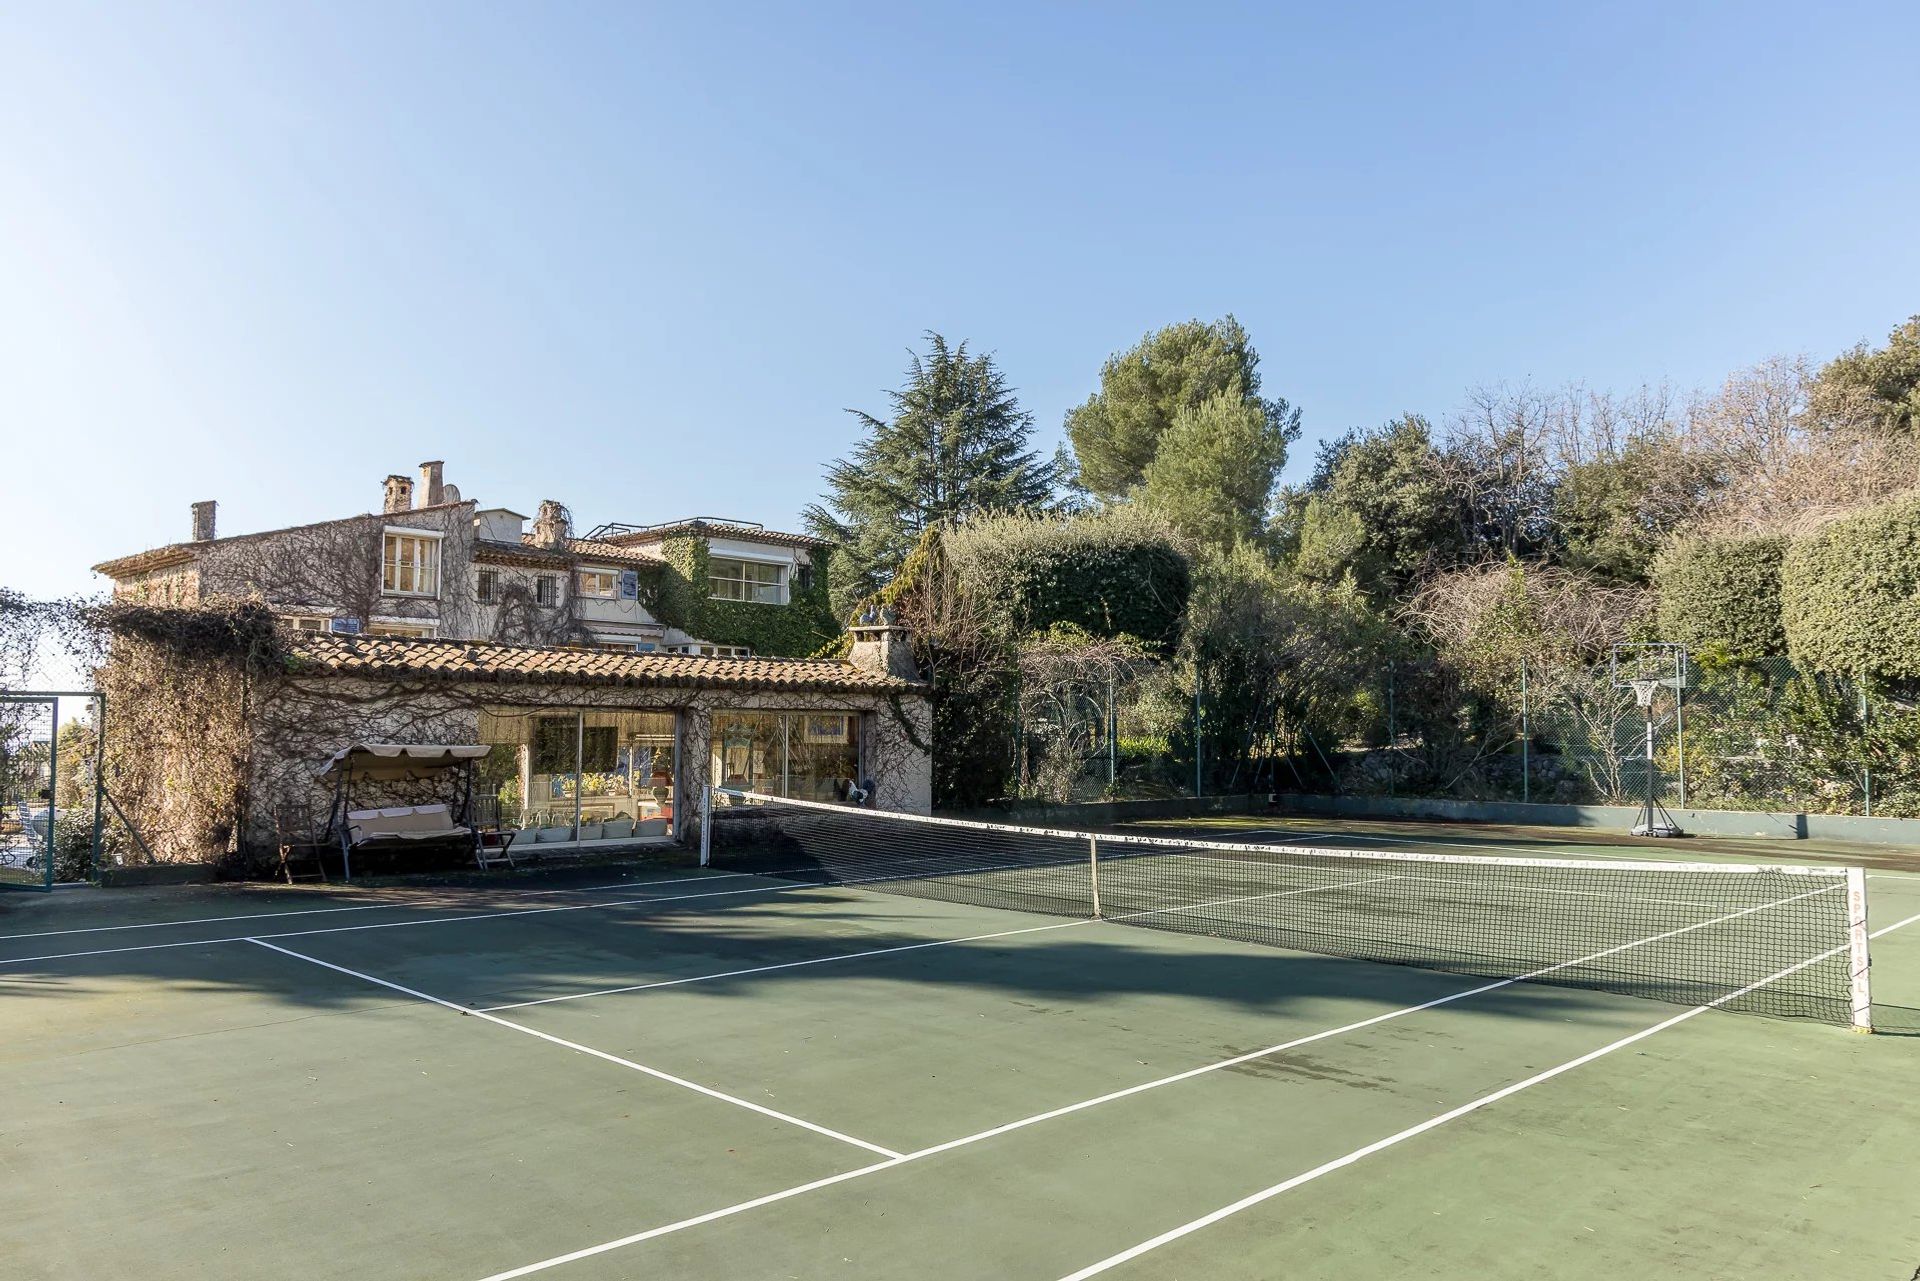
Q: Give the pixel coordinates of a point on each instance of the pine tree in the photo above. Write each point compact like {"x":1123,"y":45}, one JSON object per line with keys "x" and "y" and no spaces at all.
{"x":954,"y":445}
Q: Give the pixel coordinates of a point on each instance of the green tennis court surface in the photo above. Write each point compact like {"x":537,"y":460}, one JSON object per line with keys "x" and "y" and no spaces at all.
{"x":696,"y":1075}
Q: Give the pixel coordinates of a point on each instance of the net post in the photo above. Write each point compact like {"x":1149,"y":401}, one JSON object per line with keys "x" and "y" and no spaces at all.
{"x":1859,"y":960}
{"x":706,"y":826}
{"x":1093,"y":872}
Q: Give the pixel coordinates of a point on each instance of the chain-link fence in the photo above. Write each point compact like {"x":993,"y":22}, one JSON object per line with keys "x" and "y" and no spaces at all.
{"x":1746,"y":735}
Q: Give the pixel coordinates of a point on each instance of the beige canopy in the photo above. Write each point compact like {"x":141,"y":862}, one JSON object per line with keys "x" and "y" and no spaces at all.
{"x":398,"y":760}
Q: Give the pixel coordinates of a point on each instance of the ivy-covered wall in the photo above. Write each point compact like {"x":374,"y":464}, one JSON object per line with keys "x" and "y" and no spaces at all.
{"x":794,"y":630}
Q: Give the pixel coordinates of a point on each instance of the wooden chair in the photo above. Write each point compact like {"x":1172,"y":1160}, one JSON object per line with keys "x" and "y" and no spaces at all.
{"x":299,"y":846}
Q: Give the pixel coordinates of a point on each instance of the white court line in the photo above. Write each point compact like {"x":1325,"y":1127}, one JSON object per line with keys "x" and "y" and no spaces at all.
{"x":369,"y":907}
{"x":1432,"y":1123}
{"x":912,"y":947}
{"x":438,"y":920}
{"x":656,"y":1073}
{"x":1205,"y":1068}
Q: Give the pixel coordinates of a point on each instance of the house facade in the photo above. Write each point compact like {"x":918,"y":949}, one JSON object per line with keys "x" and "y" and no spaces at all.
{"x":614,"y":674}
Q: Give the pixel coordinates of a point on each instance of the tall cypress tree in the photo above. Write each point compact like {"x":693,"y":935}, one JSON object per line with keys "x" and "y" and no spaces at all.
{"x":953,"y":445}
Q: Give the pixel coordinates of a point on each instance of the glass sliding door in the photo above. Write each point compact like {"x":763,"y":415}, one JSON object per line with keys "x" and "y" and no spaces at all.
{"x":813,"y":756}
{"x":574,"y":777}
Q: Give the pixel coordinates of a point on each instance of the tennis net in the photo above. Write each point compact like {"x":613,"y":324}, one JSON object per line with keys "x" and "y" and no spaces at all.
{"x":1787,"y":941}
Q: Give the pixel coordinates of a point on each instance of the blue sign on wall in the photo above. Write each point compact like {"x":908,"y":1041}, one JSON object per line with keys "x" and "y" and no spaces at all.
{"x":345,"y":626}
{"x":629,"y":584}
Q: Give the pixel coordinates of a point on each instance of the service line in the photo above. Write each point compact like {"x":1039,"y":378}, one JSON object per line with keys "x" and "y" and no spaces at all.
{"x":1081,"y":1106}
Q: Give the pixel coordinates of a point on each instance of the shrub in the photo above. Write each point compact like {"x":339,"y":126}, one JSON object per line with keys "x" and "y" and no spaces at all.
{"x":1850,"y":594}
{"x":1722,"y":594}
{"x":1112,"y":575}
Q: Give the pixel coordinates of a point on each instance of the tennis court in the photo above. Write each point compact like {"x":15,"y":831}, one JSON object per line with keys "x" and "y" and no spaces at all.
{"x":859,"y":1052}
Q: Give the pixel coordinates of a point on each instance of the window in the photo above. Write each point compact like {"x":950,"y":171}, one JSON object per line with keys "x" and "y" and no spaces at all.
{"x":747,"y":580}
{"x":712,"y":651}
{"x":806,"y":755}
{"x":417,"y":631}
{"x":546,"y":590}
{"x":601,"y":584}
{"x":486,"y":587}
{"x":410,"y":564}
{"x":305,"y":623}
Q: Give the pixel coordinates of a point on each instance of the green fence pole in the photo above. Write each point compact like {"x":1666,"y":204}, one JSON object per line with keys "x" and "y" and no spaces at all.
{"x":1393,"y":737}
{"x":1866,"y":761}
{"x":1526,"y":741}
{"x":1199,"y":786}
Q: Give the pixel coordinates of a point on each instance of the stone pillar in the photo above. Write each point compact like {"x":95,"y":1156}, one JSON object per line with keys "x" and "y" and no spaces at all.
{"x":432,"y":492}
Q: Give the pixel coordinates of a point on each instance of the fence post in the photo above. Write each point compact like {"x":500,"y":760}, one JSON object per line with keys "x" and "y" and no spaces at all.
{"x":1526,"y":741}
{"x":1866,"y":760}
{"x":1680,"y":731}
{"x":1199,"y":742}
{"x":1113,"y":748}
{"x":1393,"y":738}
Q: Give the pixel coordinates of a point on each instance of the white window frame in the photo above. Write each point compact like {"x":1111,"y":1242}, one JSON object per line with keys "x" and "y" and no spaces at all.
{"x":414,"y":628}
{"x":612,"y":577}
{"x":307,"y":622}
{"x":783,"y":569}
{"x":426,"y":538}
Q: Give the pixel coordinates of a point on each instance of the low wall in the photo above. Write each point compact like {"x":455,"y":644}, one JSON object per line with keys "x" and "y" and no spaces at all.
{"x":1785,"y":825}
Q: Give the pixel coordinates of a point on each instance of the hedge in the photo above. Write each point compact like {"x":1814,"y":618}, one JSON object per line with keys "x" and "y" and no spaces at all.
{"x":795,"y":630}
{"x":1850,"y":594}
{"x":1112,"y":575}
{"x":1722,"y":593}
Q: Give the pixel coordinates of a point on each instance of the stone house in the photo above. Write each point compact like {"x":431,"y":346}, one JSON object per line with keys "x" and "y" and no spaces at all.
{"x":614,"y":675}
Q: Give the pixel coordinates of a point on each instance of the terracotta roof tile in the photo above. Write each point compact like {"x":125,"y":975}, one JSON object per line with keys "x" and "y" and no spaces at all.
{"x":717,"y":529}
{"x":478,"y":661}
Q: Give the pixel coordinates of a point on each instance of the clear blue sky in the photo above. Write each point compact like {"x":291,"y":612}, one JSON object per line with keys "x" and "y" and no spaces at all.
{"x":639,"y":258}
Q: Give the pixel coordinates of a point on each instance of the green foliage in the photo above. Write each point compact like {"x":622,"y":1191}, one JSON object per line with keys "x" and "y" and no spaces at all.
{"x":1378,"y":508}
{"x":1850,"y":594}
{"x":1116,"y":574}
{"x":1279,"y":663}
{"x":1614,"y":512}
{"x":1153,"y":408}
{"x":1722,"y":594}
{"x":1215,"y":470}
{"x":800,"y":627}
{"x":1875,"y":390}
{"x":954,"y":444}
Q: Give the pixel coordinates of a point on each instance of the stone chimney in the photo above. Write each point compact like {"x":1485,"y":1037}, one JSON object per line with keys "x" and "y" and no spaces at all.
{"x":880,"y":646}
{"x":203,"y":521}
{"x":550,"y":527}
{"x":432,"y":492}
{"x":399,"y":495}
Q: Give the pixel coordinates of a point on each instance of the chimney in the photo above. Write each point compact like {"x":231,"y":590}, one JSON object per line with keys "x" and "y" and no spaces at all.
{"x":880,"y":646}
{"x":550,"y":526}
{"x":399,"y":496}
{"x":203,"y":521}
{"x":432,"y":492}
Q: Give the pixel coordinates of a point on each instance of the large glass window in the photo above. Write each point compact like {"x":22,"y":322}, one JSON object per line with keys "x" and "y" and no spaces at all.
{"x":601,"y":584}
{"x":574,"y":777}
{"x":813,"y":756}
{"x":410,"y":564}
{"x":748,"y":580}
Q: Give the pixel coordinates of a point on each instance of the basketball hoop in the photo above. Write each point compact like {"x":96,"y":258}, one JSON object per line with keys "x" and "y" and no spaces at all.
{"x":1644,"y":691}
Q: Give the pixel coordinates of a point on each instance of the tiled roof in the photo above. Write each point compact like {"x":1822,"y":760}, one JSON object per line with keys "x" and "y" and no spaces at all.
{"x":530,"y":664}
{"x":717,"y":529}
{"x":614,"y":553}
{"x":526,"y":552}
{"x":146,"y":562}
{"x":180,"y":553}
